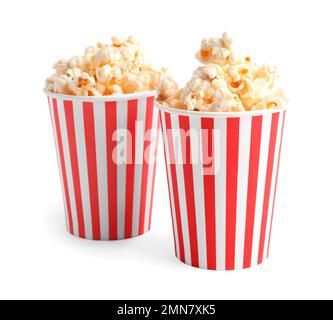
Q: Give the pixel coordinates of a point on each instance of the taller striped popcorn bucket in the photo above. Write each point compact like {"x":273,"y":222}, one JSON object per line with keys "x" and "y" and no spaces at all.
{"x":222,"y":172}
{"x":106,"y":148}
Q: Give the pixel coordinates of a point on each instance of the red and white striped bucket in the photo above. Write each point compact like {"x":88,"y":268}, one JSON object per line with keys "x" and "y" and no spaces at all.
{"x":106,"y":149}
{"x":222,"y":170}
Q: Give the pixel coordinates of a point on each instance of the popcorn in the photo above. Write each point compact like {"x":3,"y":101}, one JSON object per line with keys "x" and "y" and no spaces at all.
{"x":167,"y":89}
{"x":73,"y":73}
{"x":115,"y":89}
{"x":215,"y":50}
{"x":108,"y":55}
{"x":107,"y":73}
{"x":117,"y":68}
{"x":76,"y":62}
{"x":61,"y":66}
{"x":209,"y":91}
{"x":59,"y":84}
{"x":227,"y":83}
{"x":133,"y":83}
{"x":82,"y":85}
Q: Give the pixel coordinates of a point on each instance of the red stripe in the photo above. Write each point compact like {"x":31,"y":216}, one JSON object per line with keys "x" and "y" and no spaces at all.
{"x":75,"y":166}
{"x":89,"y":129}
{"x":111,"y":128}
{"x":207,"y":127}
{"x":166,"y":167}
{"x":175,"y":185}
{"x":252,"y":188}
{"x":232,"y":189}
{"x":268,"y":185}
{"x":184,"y":125}
{"x":154,"y":175}
{"x":130,"y":166}
{"x":276,"y":183}
{"x":63,"y":166}
{"x":145,"y":164}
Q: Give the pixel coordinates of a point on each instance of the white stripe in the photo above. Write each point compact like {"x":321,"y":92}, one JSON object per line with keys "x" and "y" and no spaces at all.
{"x":264,"y":149}
{"x":139,"y":145}
{"x":64,"y":136}
{"x":181,"y":186}
{"x":59,"y":162}
{"x":274,"y":177}
{"x":167,"y":155}
{"x":153,"y":150}
{"x":121,"y":169}
{"x":83,"y":167}
{"x":243,"y":178}
{"x":196,"y":146}
{"x":220,"y":151}
{"x":102,"y":171}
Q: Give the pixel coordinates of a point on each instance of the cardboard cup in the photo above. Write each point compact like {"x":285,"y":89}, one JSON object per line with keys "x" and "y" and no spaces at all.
{"x":222,"y":171}
{"x":106,"y":148}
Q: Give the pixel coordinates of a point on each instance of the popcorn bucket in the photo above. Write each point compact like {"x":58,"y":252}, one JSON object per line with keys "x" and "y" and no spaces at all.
{"x":106,"y":148}
{"x":222,"y":171}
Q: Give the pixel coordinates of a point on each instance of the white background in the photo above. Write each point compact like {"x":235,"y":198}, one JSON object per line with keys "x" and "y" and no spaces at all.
{"x":38,"y":259}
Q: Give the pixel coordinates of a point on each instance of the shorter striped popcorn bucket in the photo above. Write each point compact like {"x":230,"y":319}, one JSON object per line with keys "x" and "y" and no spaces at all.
{"x":106,"y":148}
{"x":222,"y":171}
